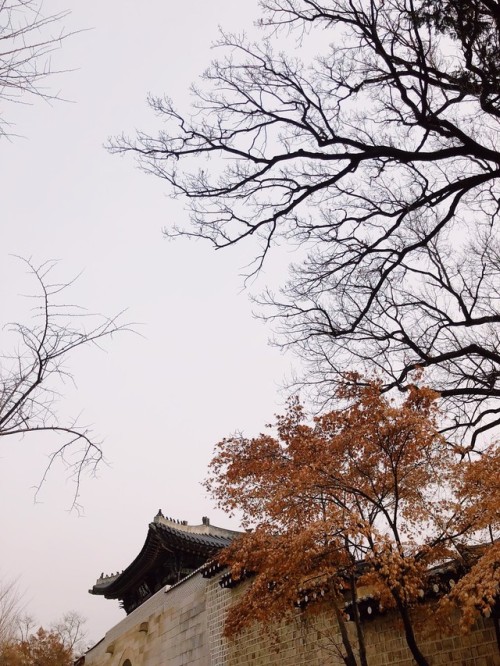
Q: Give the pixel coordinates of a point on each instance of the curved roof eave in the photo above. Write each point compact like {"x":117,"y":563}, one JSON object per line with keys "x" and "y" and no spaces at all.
{"x":160,"y":537}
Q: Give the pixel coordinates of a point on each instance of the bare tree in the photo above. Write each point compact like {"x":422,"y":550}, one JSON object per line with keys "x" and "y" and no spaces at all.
{"x":71,"y":630}
{"x":380,"y":159}
{"x":10,"y":610}
{"x":28,"y":37}
{"x":26,"y":625}
{"x":30,"y":374}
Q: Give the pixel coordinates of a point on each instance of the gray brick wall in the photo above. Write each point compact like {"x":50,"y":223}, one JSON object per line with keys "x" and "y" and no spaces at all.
{"x":184,"y":626}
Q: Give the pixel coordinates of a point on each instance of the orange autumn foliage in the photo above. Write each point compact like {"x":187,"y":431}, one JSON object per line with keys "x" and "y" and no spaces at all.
{"x":374,"y":482}
{"x":479,"y":492}
{"x":44,"y":648}
{"x":479,"y":488}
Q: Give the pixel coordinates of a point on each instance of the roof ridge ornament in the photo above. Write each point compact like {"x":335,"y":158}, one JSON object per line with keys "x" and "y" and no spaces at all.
{"x":160,"y":518}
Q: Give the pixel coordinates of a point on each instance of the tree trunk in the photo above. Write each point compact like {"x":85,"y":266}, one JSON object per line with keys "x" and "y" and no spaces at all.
{"x":496,"y":624}
{"x":350,"y":658}
{"x":357,"y":620}
{"x":409,"y":633}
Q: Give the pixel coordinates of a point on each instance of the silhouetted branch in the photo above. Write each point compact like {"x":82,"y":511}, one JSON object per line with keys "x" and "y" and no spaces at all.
{"x":27,"y":39}
{"x":29,"y":375}
{"x":380,"y":159}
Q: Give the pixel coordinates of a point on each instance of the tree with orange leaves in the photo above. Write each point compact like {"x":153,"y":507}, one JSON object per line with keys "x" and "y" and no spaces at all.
{"x":479,"y":491}
{"x":43,"y":648}
{"x":363,"y":495}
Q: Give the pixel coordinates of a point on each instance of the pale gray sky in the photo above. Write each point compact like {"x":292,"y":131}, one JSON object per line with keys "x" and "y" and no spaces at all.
{"x":203,"y":368}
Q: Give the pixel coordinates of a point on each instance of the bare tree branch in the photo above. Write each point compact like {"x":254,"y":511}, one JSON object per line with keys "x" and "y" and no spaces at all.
{"x":11,"y":606}
{"x":31,"y":373}
{"x":71,"y":630}
{"x":380,"y":160}
{"x":28,"y":37}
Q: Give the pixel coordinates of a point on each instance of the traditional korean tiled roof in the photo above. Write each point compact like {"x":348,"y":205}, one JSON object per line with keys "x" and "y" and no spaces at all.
{"x":206,"y":542}
{"x":167,"y":540}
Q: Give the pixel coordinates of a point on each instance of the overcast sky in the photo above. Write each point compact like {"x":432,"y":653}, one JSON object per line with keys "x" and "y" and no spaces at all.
{"x":202,"y":368}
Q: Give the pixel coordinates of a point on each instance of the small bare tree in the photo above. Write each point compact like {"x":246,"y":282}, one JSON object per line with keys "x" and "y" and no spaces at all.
{"x":10,"y":610}
{"x":27,"y":38}
{"x":31,"y":372}
{"x":26,"y":625}
{"x":71,"y":630}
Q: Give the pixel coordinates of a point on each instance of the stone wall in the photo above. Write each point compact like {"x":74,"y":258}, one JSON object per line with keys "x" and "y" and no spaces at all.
{"x":169,"y":628}
{"x":184,"y":626}
{"x":315,"y":640}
